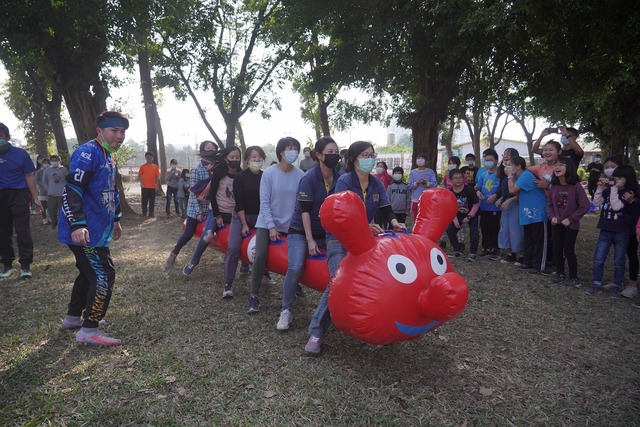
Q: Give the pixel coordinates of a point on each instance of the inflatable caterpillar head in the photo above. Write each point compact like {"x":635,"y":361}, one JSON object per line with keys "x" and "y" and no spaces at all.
{"x":393,"y":288}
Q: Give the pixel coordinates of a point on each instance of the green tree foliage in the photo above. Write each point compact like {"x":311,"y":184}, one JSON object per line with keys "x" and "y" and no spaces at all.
{"x":579,"y":63}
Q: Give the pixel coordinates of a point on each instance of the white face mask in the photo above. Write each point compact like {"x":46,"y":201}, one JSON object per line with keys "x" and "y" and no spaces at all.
{"x":290,"y":156}
{"x":397,"y":176}
{"x":452,"y":166}
{"x":379,"y":170}
{"x":609,"y":171}
{"x":55,"y":164}
{"x":470,"y":162}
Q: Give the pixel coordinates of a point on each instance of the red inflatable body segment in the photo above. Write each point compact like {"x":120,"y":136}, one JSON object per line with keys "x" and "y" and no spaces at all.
{"x":396,"y":287}
{"x":315,"y":274}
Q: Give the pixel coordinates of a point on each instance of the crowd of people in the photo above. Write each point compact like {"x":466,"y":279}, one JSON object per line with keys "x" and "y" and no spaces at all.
{"x":528,"y":216}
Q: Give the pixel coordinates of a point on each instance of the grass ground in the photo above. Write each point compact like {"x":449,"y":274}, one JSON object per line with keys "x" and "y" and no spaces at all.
{"x":523,"y":352}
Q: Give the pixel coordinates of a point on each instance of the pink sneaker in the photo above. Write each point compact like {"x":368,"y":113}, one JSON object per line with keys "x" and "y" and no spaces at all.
{"x":313,"y":345}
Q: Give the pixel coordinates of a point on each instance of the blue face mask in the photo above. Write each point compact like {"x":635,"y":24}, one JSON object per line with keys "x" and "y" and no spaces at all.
{"x":366,"y":165}
{"x":489,"y":165}
{"x":564,"y":140}
{"x":3,"y":142}
{"x":290,"y":156}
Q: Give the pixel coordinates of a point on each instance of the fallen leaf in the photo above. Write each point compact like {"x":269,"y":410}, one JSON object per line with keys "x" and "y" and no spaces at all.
{"x":67,"y":361}
{"x":85,"y":379}
{"x":545,"y":339}
{"x":43,"y":343}
{"x":182,"y":391}
{"x":47,"y":267}
{"x":170,"y":379}
{"x":486,"y":391}
{"x":250,"y":386}
{"x":269,"y":393}
{"x":161,"y":396}
{"x":317,"y":402}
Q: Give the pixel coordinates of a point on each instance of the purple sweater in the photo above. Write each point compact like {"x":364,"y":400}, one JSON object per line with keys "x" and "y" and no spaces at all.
{"x":568,"y":201}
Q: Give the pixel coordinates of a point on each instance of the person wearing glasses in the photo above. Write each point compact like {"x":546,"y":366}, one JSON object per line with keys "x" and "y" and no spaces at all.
{"x":198,"y":205}
{"x":568,"y":140}
{"x":361,"y":159}
{"x":420,"y":179}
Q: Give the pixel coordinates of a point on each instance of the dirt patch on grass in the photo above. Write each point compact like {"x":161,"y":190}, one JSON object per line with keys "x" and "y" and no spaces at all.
{"x":523,"y":352}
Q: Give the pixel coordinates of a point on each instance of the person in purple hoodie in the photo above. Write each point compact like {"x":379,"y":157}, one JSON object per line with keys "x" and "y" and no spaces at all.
{"x":566,"y":205}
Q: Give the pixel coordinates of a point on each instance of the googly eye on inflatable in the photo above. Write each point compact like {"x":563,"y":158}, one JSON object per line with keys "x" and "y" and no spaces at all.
{"x":393,"y":288}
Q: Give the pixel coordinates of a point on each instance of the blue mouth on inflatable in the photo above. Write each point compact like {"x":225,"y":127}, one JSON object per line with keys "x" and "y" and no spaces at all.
{"x":416,"y":330}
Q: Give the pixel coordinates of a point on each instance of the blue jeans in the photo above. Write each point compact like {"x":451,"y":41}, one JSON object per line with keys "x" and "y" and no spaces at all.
{"x":511,"y":232}
{"x":297,"y":250}
{"x":620,"y":241}
{"x":321,"y":317}
{"x":202,"y":244}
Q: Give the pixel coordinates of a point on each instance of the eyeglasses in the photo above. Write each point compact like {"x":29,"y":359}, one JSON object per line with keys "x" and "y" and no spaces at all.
{"x":369,"y":156}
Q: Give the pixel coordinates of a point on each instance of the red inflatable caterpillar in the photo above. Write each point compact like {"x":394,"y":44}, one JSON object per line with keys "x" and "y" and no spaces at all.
{"x":315,"y":274}
{"x":397,"y":287}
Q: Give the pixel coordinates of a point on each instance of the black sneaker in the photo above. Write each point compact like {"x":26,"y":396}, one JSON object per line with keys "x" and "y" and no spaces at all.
{"x":548,"y":272}
{"x":594,"y":289}
{"x":573,"y":282}
{"x":472,"y":257}
{"x":509,"y":259}
{"x":455,"y":254}
{"x":442,"y":244}
{"x":254,"y":305}
{"x":519,"y":262}
{"x":560,"y":278}
{"x":533,"y":270}
{"x":522,"y":266}
{"x":495,"y":256}
{"x":484,"y":253}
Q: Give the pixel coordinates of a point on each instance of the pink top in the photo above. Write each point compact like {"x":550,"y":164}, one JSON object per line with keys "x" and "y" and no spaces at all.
{"x":385,"y":178}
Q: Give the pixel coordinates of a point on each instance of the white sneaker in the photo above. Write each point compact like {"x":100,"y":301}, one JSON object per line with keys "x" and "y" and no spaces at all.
{"x":95,"y":336}
{"x":286,"y":317}
{"x":228,"y":291}
{"x":630,"y":292}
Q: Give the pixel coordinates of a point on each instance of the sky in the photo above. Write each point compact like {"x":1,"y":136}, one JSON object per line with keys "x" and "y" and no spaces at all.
{"x":182,"y":124}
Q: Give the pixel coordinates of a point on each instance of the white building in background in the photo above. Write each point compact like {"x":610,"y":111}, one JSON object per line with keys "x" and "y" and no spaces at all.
{"x":391,"y":138}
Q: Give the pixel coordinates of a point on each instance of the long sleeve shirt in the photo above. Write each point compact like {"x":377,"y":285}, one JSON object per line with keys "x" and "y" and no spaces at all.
{"x":278,"y":191}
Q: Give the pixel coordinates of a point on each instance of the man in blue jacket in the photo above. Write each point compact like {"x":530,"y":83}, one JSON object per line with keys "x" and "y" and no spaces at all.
{"x":17,"y":189}
{"x":89,"y":221}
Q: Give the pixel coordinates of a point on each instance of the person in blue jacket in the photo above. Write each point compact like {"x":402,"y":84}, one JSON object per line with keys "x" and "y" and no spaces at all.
{"x":88,"y":222}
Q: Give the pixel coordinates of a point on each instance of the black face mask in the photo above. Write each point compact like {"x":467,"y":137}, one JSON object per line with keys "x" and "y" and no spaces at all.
{"x":331,"y":160}
{"x":234,"y":164}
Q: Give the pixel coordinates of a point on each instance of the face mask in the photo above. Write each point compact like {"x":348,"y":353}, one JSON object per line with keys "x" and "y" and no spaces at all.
{"x":173,"y":165}
{"x":452,"y":166}
{"x":290,"y":156}
{"x":564,"y":140}
{"x":46,"y":165}
{"x":109,"y":148}
{"x":489,"y":165}
{"x":470,"y":162}
{"x":55,"y":164}
{"x":609,"y":171}
{"x":307,"y":154}
{"x":186,"y":176}
{"x":420,"y":162}
{"x":379,"y":170}
{"x":397,"y":176}
{"x":366,"y":165}
{"x":331,"y":160}
{"x":234,"y":164}
{"x":598,"y":159}
{"x":255,"y":166}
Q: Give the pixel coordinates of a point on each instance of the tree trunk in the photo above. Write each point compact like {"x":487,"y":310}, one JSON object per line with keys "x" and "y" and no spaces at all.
{"x":475,"y":129}
{"x":243,"y":145}
{"x":162,"y":153}
{"x":83,"y":112}
{"x":125,"y":207}
{"x":324,"y":115}
{"x":424,"y":128}
{"x":150,"y":110}
{"x":448,"y":137}
{"x":39,"y":128}
{"x":54,"y":108}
